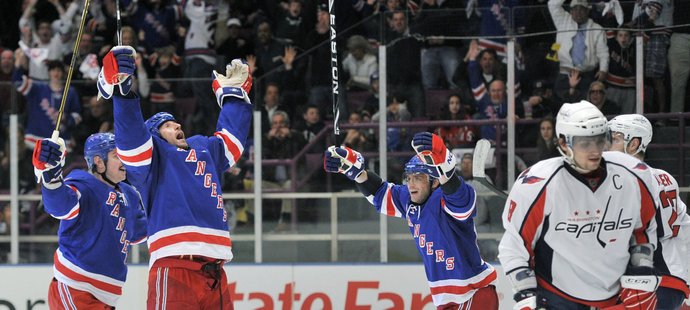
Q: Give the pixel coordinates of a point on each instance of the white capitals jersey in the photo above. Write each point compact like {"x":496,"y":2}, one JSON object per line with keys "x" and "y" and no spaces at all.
{"x":671,"y":255}
{"x":575,"y":237}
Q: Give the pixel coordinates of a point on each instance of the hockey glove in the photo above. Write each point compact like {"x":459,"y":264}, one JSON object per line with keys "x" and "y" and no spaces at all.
{"x":237,"y":82}
{"x":118,"y":68}
{"x":346,"y":161}
{"x":48,"y":159}
{"x":525,"y":300}
{"x":432,"y":151}
{"x":638,"y":288}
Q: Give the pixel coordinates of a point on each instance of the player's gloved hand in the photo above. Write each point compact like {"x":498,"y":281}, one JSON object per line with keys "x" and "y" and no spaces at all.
{"x":346,"y":161}
{"x":48,"y":159}
{"x":237,"y":82}
{"x":432,"y":151}
{"x":638,"y":288}
{"x":525,"y":300}
{"x":118,"y":68}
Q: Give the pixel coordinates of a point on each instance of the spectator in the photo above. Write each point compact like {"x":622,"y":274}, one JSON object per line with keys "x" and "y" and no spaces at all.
{"x":483,"y":72}
{"x":493,"y":107}
{"x":359,"y":63}
{"x":289,"y":23}
{"x":655,"y":16}
{"x":6,"y":67}
{"x":155,"y":22}
{"x":547,"y":143}
{"x":235,"y":46}
{"x":678,"y":56}
{"x":163,"y":86}
{"x":396,"y":111}
{"x":496,"y":20}
{"x":282,"y":142}
{"x":43,"y":103}
{"x":40,"y":43}
{"x":86,"y":66}
{"x":311,"y":124}
{"x":438,"y":56}
{"x":319,"y":76}
{"x":27,"y":181}
{"x":582,"y":43}
{"x":200,"y":58}
{"x":597,"y":96}
{"x":403,"y":54}
{"x":621,"y":77}
{"x":541,"y":103}
{"x":460,"y":135}
{"x":358,"y":138}
{"x":268,"y":51}
{"x":97,"y":117}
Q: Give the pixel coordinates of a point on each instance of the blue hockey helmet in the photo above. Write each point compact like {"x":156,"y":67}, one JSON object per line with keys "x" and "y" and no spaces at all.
{"x":98,"y":144}
{"x":154,"y":122}
{"x":415,"y":165}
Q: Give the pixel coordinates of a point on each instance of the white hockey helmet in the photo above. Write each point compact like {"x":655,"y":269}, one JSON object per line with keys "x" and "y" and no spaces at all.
{"x":633,"y":126}
{"x":580,"y":119}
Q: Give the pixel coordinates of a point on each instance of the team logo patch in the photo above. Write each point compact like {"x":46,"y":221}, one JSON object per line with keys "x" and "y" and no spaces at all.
{"x":641,"y":166}
{"x":531,"y":180}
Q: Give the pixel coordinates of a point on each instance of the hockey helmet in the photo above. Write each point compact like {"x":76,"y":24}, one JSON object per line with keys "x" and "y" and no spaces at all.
{"x":98,"y":144}
{"x":633,"y":126}
{"x":415,"y":165}
{"x":154,"y":122}
{"x":581,"y":119}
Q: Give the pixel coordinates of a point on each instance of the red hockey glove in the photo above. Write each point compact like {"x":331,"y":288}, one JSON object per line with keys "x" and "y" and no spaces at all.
{"x":118,"y":68}
{"x":432,"y":151}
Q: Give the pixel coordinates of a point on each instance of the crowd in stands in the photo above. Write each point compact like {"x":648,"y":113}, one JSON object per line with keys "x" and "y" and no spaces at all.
{"x":430,"y":76}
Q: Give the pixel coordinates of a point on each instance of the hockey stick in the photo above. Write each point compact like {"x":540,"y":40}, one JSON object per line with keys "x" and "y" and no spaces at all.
{"x":334,"y":69}
{"x":56,"y":132}
{"x":481,"y":151}
{"x":119,"y":22}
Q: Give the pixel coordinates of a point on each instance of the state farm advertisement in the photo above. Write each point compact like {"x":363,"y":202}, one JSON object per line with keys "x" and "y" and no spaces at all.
{"x":266,"y":286}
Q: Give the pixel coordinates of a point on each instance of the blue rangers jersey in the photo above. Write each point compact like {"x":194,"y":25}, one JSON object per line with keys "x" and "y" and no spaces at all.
{"x":443,"y":229}
{"x":181,"y":187}
{"x":43,"y":105}
{"x":97,"y":225}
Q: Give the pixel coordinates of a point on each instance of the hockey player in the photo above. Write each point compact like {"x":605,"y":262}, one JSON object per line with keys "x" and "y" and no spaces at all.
{"x":439,"y":208}
{"x":100,"y":216}
{"x":631,"y":134}
{"x":577,"y":225}
{"x":180,"y":179}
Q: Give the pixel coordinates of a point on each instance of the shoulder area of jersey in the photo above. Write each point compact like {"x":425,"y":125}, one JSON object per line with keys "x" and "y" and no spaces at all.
{"x":539,"y":172}
{"x":626,"y":161}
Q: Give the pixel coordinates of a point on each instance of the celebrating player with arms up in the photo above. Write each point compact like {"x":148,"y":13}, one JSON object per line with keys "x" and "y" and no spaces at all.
{"x":631,"y":134}
{"x":578,"y":224}
{"x":439,"y":207}
{"x":100,"y":216}
{"x":180,"y":180}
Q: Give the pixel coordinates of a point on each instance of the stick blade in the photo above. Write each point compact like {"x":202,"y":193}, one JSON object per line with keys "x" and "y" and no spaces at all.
{"x":481,"y":151}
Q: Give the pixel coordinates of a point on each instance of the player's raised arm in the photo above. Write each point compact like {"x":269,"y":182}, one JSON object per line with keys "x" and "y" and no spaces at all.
{"x":232,"y":95}
{"x":61,"y":202}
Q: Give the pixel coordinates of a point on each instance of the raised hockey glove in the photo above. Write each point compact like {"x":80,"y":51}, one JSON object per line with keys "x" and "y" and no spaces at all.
{"x":237,"y":82}
{"x":48,"y":159}
{"x":432,"y":151}
{"x":118,"y":68}
{"x":638,"y":288}
{"x":346,"y":161}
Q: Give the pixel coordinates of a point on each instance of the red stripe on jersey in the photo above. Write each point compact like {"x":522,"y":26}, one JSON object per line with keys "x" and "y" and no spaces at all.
{"x":110,"y":288}
{"x":137,"y":158}
{"x":597,"y":303}
{"x":189,"y":237}
{"x":675,"y":283}
{"x":459,"y":290}
{"x":232,"y":148}
{"x":534,"y":218}
{"x":647,"y":212}
{"x":390,"y":207}
{"x":73,"y":214}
